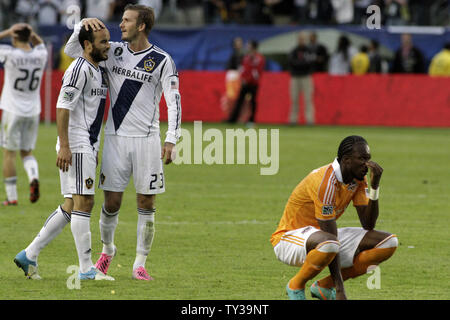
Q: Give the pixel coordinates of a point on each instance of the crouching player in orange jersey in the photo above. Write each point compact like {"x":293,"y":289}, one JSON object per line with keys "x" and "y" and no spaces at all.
{"x":307,"y":235}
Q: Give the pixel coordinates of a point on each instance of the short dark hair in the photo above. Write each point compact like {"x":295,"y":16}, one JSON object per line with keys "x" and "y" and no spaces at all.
{"x":447,"y":46}
{"x":23,"y":35}
{"x":347,"y":145}
{"x":86,"y":35}
{"x":146,"y":15}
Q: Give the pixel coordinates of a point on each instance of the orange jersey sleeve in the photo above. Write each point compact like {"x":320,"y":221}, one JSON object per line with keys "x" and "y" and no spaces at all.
{"x":361,"y":196}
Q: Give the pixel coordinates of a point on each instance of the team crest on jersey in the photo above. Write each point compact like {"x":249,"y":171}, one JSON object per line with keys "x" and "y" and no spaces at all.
{"x":89,"y":183}
{"x":327,"y":210}
{"x":149,"y":64}
{"x":118,"y":51}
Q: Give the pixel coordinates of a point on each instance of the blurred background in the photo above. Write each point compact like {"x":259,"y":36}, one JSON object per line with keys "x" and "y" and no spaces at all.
{"x":355,"y":61}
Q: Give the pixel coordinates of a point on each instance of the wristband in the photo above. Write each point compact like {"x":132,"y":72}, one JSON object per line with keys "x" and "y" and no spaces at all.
{"x":374,"y":193}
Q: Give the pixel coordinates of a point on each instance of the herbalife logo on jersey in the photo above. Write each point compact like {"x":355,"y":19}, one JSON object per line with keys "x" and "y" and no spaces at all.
{"x":232,"y":146}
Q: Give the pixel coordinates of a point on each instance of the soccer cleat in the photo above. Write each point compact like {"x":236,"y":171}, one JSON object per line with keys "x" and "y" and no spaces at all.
{"x":141,"y":274}
{"x":34,"y":191}
{"x":298,"y":294}
{"x":322,"y":293}
{"x":104,"y":261}
{"x":94,"y":274}
{"x":29,"y":267}
{"x":9,"y":203}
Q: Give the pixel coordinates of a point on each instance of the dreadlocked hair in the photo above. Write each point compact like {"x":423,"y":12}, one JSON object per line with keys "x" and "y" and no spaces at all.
{"x":347,"y":145}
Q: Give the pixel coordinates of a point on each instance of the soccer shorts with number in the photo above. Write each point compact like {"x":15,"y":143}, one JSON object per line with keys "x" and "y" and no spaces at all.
{"x":18,"y":132}
{"x":139,"y":157}
{"x":80,"y":178}
{"x":292,"y":247}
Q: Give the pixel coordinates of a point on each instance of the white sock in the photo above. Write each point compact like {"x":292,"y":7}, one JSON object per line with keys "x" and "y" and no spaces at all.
{"x":31,"y":167}
{"x":52,"y":227}
{"x":145,"y":234}
{"x":11,"y":188}
{"x":82,"y":235}
{"x":108,"y":223}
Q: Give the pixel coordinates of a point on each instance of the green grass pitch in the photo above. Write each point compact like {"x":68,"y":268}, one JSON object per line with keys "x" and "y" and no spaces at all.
{"x":214,"y":222}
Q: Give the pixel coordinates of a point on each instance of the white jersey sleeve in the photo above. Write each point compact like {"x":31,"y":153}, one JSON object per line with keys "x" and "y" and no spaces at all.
{"x":73,"y":83}
{"x":170,"y":85}
{"x":73,"y":47}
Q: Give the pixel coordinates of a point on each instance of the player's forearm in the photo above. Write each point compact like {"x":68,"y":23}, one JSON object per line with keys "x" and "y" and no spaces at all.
{"x":73,"y":47}
{"x":174,"y":123}
{"x":370,"y":216}
{"x":62,"y":123}
{"x":5,"y":34}
{"x":335,"y":272}
{"x":36,"y":39}
{"x":173,"y":100}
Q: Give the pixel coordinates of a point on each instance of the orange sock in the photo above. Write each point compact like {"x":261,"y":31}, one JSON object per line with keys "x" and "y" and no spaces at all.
{"x":360,"y":264}
{"x":315,"y":262}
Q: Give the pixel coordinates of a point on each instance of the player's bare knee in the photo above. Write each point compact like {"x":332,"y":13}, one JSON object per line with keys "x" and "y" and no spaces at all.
{"x":146,"y":201}
{"x":25,"y":153}
{"x":84,"y":203}
{"x":389,"y":242}
{"x":67,"y":206}
{"x":113,"y":201}
{"x":318,"y":238}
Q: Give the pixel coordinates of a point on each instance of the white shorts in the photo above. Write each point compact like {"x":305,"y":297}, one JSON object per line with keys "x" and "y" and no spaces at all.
{"x":80,"y":179}
{"x":137,"y":156}
{"x":292,"y":247}
{"x":19,"y":133}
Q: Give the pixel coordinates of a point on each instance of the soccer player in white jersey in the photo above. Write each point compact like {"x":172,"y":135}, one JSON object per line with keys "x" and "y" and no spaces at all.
{"x":138,"y":74}
{"x":21,"y":104}
{"x":79,"y":116}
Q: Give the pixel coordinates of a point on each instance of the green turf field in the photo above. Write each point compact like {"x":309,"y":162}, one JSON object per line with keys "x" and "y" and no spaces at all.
{"x":214,"y":222}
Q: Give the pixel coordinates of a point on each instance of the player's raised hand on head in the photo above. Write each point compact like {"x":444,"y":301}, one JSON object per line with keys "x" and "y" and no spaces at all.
{"x":168,"y":151}
{"x":94,"y":23}
{"x":375,"y":173}
{"x":16,"y":27}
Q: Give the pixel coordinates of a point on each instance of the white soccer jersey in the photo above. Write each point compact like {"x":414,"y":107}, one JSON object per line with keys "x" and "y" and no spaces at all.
{"x":83,"y":92}
{"x":22,"y":80}
{"x":136,"y":83}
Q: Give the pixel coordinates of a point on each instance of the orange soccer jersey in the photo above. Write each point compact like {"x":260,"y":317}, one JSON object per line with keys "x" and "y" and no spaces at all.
{"x":320,"y":195}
